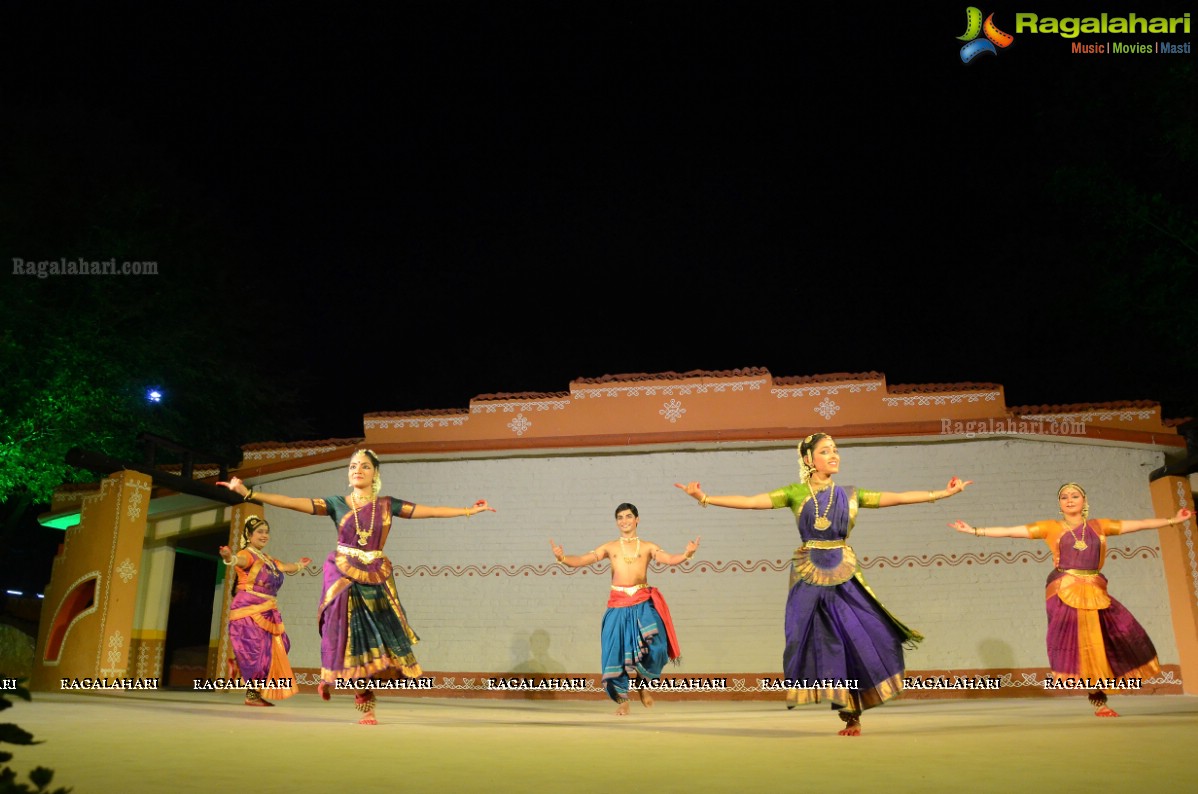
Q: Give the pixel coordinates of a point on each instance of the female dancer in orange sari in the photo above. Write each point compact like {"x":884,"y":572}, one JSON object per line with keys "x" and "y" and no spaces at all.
{"x":256,"y":632}
{"x":1094,"y":642}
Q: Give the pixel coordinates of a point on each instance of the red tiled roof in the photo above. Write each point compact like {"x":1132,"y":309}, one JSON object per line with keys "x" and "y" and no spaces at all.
{"x":421,"y":412}
{"x":747,"y":372}
{"x":328,"y":442}
{"x":831,"y":377}
{"x":1073,"y":408}
{"x":932,"y":388}
{"x":523,"y":395}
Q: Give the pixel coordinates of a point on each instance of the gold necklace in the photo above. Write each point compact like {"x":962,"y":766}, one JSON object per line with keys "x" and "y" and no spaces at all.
{"x":363,"y":534}
{"x":1078,"y":543}
{"x":635,"y":554}
{"x":267,"y":561}
{"x":822,"y":522}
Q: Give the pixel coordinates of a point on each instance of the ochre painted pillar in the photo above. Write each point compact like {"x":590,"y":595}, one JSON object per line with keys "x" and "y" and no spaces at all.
{"x":87,"y":614}
{"x":1178,"y":553}
{"x":153,"y":608}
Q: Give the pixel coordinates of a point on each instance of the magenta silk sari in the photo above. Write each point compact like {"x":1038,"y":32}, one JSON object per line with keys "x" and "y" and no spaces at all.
{"x":256,"y":631}
{"x":363,"y":628}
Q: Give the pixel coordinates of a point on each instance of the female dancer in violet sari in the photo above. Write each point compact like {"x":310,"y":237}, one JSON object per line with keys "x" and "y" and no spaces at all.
{"x":256,"y":631}
{"x":841,"y":643}
{"x":1092,"y":639}
{"x":363,"y":628}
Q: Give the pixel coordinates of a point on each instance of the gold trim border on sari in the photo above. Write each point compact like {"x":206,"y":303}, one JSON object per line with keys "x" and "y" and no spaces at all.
{"x":803,"y":569}
{"x":852,"y":700}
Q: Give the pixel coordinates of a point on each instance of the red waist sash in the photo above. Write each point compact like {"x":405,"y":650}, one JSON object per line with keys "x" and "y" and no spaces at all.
{"x":619,"y":599}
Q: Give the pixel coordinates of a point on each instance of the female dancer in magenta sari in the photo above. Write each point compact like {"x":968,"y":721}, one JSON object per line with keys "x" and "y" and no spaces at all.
{"x":841,"y":643}
{"x":1094,"y":643}
{"x":256,"y":631}
{"x":363,"y":628}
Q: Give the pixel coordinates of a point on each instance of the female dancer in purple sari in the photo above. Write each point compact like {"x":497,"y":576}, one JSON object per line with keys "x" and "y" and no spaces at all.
{"x":841,"y":643}
{"x":256,"y":632}
{"x":363,"y":628}
{"x":1094,"y":642}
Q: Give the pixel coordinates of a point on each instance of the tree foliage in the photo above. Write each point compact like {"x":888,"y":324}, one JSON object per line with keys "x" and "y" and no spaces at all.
{"x":80,"y":351}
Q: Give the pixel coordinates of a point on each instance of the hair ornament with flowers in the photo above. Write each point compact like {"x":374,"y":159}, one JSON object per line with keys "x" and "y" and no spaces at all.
{"x":806,"y":460}
{"x":1085,"y":499}
{"x":249,"y":528}
{"x":376,"y":484}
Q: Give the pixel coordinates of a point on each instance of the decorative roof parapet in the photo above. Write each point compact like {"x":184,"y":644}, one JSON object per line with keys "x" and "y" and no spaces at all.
{"x":671,"y":383}
{"x":1134,"y":414}
{"x":265,"y":452}
{"x":713,"y":406}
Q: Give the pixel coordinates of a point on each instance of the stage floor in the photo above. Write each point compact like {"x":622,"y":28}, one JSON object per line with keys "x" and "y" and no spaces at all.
{"x":183,"y":741}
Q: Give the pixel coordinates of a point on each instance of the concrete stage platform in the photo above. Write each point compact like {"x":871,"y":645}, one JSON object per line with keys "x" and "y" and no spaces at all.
{"x":182,"y":742}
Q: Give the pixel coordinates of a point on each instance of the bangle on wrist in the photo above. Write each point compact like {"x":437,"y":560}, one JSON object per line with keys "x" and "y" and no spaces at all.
{"x":467,"y":512}
{"x":703,"y":501}
{"x":249,"y":494}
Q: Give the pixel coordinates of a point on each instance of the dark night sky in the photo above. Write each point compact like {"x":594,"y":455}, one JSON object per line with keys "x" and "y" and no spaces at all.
{"x":429,"y":201}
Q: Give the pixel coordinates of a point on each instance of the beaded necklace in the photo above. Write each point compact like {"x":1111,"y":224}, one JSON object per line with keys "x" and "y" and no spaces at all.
{"x":635,"y":554}
{"x":363,"y":534}
{"x":267,"y":561}
{"x":822,"y":522}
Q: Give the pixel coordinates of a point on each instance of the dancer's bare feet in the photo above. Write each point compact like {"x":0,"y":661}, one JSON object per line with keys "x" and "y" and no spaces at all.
{"x":792,"y":698}
{"x":645,"y":696}
{"x":622,"y":708}
{"x":325,"y":690}
{"x":1101,"y":709}
{"x":364,"y":702}
{"x":254,"y":698}
{"x":852,"y":724}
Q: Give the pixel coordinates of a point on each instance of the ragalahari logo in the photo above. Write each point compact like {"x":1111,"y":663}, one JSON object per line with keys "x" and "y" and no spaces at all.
{"x":974,"y":26}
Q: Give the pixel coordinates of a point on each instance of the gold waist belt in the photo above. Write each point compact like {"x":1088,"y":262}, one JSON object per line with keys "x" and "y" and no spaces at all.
{"x":358,"y":554}
{"x":629,"y":590}
{"x":824,"y":544}
{"x":250,"y":589}
{"x":1078,"y":571}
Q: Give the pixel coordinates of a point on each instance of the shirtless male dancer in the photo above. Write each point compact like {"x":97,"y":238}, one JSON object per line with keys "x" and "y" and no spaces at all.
{"x":638,"y":636}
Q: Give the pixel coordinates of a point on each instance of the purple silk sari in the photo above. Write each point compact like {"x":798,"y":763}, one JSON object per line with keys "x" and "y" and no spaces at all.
{"x":256,"y":631}
{"x":363,"y":627}
{"x":1090,"y":635}
{"x":842,"y":645}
